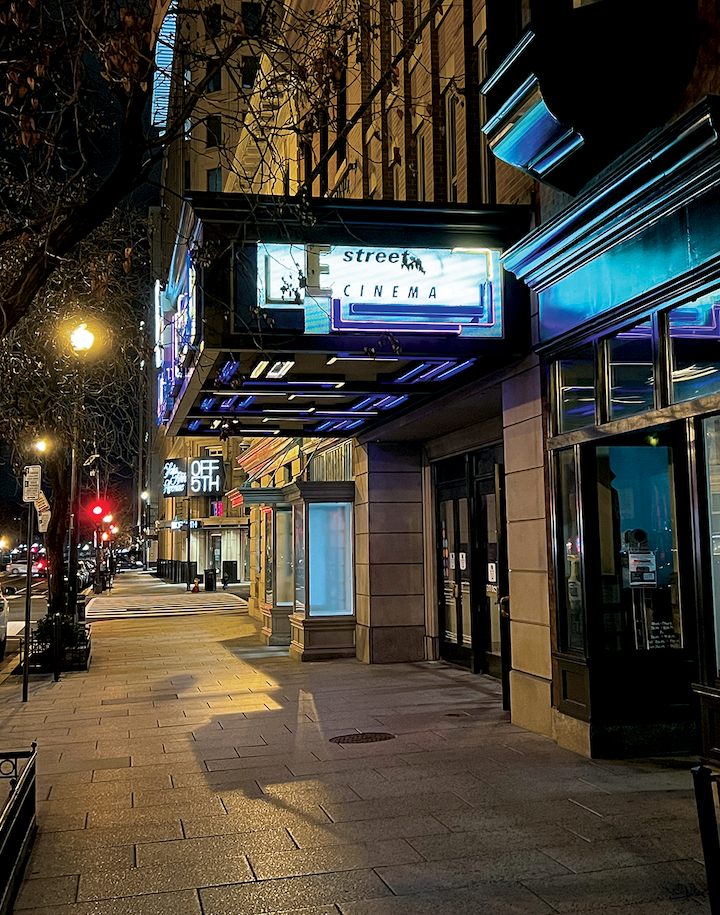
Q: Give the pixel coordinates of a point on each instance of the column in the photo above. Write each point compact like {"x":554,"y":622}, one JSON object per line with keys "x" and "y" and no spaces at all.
{"x":389,"y":580}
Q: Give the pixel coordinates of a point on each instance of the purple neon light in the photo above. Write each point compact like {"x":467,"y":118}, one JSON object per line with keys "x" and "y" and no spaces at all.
{"x":413,"y":371}
{"x":455,"y":370}
{"x":229,"y":402}
{"x":339,"y":323}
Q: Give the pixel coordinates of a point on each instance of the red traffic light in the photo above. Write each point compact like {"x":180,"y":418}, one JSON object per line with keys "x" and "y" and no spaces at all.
{"x":98,"y":510}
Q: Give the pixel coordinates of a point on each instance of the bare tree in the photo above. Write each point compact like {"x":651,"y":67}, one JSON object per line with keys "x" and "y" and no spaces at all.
{"x":87,"y":401}
{"x":76,"y":83}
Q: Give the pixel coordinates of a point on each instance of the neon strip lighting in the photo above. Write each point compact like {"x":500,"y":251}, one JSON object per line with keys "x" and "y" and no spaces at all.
{"x":207,"y":404}
{"x":259,"y":368}
{"x":338,"y":323}
{"x":322,"y":384}
{"x":322,"y":427}
{"x":346,"y":357}
{"x":228,"y":371}
{"x":388,"y":402}
{"x":455,"y":370}
{"x":245,"y":402}
{"x":280,"y":369}
{"x":346,"y":413}
{"x":363,"y":403}
{"x":413,"y":371}
{"x":341,"y":425}
{"x":194,"y":425}
{"x":353,"y":425}
{"x":289,"y":410}
{"x":229,"y":402}
{"x":436,"y":370}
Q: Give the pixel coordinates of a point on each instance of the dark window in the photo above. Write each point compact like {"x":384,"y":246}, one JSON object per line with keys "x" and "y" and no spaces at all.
{"x":571,"y":600}
{"x":214,"y":20}
{"x":694,"y":332}
{"x":214,"y":130}
{"x":249,"y":70}
{"x":251,"y":15}
{"x":186,"y":174}
{"x":632,"y":375}
{"x":215,"y":83}
{"x":214,"y":179}
{"x":576,"y":391}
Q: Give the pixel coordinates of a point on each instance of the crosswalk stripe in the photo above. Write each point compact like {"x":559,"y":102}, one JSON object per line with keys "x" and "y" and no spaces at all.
{"x":139,"y":606}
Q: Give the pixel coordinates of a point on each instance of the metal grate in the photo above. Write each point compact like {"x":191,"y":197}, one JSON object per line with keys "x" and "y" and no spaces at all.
{"x":367,"y":737}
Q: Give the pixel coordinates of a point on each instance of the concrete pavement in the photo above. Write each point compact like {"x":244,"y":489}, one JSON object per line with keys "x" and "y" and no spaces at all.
{"x":193,"y":771}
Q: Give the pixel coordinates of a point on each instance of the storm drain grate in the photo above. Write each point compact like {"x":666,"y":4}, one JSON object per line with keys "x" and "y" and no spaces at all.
{"x":367,"y":737}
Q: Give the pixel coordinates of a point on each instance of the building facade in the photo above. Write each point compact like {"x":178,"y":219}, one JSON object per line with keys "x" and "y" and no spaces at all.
{"x":546,"y":514}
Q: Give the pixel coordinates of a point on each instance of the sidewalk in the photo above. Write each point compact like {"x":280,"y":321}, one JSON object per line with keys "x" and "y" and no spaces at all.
{"x":191,"y":771}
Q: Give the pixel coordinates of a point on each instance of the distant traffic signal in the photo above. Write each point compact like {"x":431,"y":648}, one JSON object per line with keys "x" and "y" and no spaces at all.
{"x":98,"y":510}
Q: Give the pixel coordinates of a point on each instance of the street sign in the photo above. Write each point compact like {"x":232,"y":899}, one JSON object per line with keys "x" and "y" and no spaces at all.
{"x":41,"y":504}
{"x":43,"y":521}
{"x":31,"y":482}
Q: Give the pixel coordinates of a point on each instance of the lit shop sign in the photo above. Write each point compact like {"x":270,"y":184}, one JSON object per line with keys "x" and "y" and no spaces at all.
{"x":207,"y":476}
{"x":175,"y":478}
{"x":182,"y":525}
{"x":454,"y":291}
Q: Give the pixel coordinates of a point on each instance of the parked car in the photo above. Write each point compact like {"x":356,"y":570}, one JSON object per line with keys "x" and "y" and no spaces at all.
{"x":19,"y":567}
{"x":4,"y":617}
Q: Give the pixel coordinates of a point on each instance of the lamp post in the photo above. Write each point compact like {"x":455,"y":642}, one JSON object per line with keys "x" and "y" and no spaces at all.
{"x":81,"y":340}
{"x":144,"y":524}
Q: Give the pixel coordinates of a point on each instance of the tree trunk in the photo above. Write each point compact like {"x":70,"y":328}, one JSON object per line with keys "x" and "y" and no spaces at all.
{"x":58,"y":472}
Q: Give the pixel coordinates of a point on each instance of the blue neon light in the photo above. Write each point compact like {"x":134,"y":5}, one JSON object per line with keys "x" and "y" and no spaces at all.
{"x":228,"y":370}
{"x":207,"y":404}
{"x":194,"y":425}
{"x":245,"y":403}
{"x":455,"y":370}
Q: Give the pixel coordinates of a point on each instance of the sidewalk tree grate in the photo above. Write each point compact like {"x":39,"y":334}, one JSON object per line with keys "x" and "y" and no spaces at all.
{"x":367,"y":737}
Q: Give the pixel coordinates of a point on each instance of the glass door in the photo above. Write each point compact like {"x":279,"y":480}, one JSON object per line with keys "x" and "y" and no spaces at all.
{"x":456,"y":633}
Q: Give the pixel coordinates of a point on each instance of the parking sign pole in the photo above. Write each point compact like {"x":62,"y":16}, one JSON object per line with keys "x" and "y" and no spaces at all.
{"x":32,"y":482}
{"x":28,"y":601}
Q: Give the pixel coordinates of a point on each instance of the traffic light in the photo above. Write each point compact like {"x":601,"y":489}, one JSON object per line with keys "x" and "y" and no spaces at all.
{"x":97,"y":510}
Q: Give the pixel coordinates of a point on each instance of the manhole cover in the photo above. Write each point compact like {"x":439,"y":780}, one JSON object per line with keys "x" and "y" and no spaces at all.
{"x":368,"y":737}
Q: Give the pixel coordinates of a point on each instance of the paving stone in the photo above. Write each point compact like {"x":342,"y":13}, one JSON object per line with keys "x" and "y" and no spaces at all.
{"x":292,"y":893}
{"x":184,"y":902}
{"x":482,"y":899}
{"x":189,"y":851}
{"x":40,"y":891}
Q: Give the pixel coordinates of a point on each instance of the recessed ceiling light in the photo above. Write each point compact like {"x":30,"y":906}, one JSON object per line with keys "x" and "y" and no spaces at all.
{"x":259,"y":368}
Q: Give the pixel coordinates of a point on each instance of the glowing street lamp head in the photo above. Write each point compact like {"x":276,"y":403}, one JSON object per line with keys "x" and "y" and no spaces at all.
{"x":82,"y":338}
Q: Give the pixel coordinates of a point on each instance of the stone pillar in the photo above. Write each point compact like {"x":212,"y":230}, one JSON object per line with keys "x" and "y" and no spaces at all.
{"x":389,"y":583}
{"x":527,"y":541}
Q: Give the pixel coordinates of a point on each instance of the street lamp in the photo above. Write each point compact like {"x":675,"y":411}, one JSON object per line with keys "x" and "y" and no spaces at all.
{"x":81,"y":340}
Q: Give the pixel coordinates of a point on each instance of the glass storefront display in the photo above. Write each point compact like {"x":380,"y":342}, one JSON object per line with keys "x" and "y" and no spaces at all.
{"x":267,"y":523}
{"x":638,"y":546}
{"x":571,"y":601}
{"x":299,"y":547}
{"x":711,"y":435}
{"x":283,"y":557}
{"x":329,"y":548}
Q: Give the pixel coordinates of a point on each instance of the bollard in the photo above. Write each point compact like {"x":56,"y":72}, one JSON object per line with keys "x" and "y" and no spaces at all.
{"x":703,"y":779}
{"x":57,"y":635}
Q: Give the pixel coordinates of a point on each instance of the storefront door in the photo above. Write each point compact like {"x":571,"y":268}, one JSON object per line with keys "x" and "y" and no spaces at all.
{"x":641,"y":636}
{"x":472,"y":565}
{"x":456,"y":630}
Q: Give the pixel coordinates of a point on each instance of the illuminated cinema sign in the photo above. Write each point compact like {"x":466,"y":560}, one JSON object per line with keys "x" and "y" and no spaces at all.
{"x":454,"y":291}
{"x":175,"y":478}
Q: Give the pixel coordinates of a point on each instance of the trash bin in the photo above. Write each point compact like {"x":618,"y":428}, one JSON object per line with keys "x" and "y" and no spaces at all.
{"x":211,"y":579}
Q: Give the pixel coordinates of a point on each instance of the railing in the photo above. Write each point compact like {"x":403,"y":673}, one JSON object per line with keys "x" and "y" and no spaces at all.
{"x":17,"y":822}
{"x":705,"y":782}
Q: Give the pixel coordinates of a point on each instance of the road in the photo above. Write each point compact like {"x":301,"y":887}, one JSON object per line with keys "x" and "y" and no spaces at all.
{"x":38,"y":603}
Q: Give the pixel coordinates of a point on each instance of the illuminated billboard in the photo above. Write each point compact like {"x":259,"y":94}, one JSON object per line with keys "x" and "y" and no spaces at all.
{"x":354,"y":288}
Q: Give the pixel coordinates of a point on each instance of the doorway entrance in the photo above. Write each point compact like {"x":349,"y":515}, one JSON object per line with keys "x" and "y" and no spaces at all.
{"x":472,"y":564}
